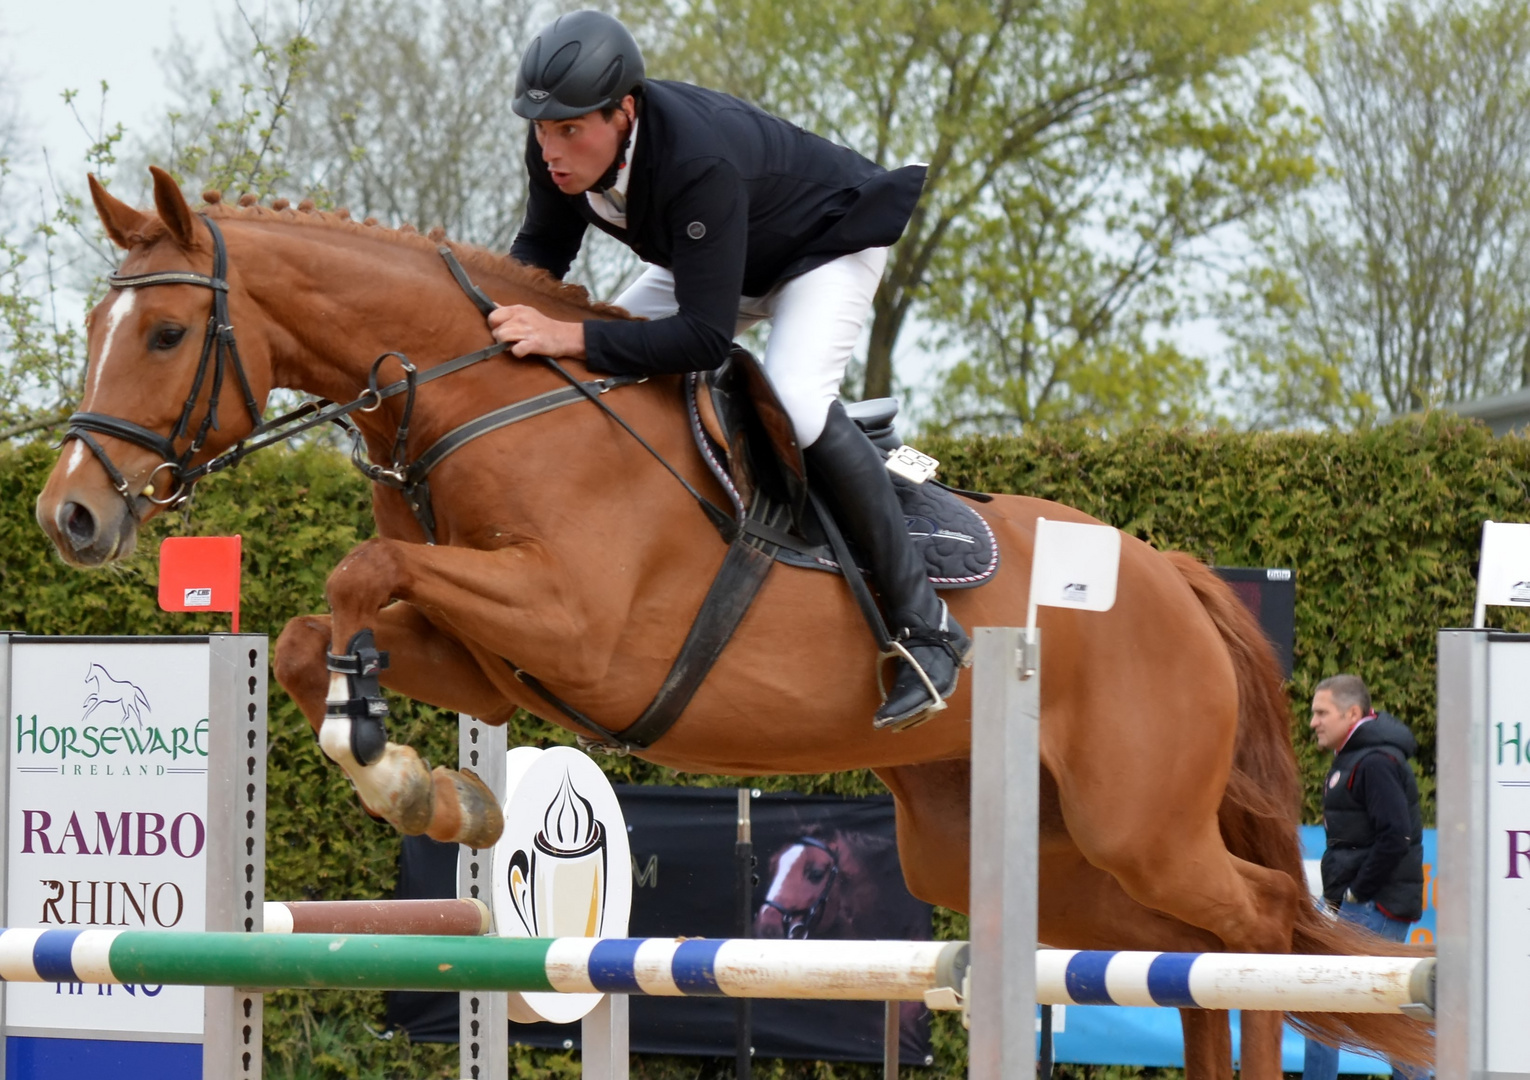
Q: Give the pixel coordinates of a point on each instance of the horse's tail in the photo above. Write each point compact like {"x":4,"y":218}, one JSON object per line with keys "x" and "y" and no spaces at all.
{"x":1259,"y":818}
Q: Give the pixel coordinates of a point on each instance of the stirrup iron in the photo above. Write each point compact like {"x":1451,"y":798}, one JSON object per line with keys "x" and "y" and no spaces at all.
{"x":898,"y":651}
{"x":364,"y":705}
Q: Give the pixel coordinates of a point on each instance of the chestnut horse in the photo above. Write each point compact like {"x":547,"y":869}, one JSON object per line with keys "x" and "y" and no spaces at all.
{"x":1169,"y":794}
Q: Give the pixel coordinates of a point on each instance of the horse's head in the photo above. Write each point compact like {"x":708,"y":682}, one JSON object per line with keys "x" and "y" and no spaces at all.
{"x":801,"y":890}
{"x":165,"y":388}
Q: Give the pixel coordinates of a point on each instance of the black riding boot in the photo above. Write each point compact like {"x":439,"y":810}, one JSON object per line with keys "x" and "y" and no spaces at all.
{"x":854,"y":476}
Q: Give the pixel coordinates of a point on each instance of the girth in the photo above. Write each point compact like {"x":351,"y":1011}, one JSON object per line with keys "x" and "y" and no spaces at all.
{"x":732,"y":593}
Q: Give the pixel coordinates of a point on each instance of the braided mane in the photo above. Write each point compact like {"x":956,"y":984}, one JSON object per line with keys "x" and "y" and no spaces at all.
{"x":471,"y":256}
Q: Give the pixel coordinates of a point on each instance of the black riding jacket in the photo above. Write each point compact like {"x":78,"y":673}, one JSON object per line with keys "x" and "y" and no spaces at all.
{"x":1374,"y":824}
{"x":729,"y":198}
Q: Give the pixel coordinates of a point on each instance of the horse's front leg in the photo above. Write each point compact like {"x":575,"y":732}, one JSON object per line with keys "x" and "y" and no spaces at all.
{"x":498,"y":596}
{"x":425,"y":664}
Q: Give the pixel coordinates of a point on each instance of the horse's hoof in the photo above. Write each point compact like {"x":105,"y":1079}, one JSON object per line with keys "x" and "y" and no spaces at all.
{"x":466,"y":811}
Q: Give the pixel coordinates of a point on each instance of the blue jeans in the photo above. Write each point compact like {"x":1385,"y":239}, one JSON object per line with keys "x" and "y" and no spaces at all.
{"x":1322,"y":1060}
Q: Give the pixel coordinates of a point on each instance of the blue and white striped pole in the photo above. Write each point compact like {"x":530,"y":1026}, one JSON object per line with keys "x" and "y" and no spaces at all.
{"x":930,"y":971}
{"x":1292,"y":983}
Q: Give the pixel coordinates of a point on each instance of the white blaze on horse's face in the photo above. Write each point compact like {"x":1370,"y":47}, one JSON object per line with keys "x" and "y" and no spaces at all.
{"x":122,"y":305}
{"x":788,"y":860}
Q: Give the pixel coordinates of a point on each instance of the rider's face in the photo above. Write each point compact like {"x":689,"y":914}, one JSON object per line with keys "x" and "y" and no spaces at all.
{"x":578,"y":151}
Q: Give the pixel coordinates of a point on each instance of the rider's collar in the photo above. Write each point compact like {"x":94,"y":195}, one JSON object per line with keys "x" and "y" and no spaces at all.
{"x":619,"y":174}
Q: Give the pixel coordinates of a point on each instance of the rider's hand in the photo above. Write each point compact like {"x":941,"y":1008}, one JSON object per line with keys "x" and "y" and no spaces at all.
{"x":534,"y":332}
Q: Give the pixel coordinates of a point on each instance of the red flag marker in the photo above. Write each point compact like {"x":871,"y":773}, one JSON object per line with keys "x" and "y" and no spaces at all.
{"x":200,"y":573}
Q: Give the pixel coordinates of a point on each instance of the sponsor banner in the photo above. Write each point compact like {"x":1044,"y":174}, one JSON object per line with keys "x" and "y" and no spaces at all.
{"x":827,"y":869}
{"x":108,"y":748}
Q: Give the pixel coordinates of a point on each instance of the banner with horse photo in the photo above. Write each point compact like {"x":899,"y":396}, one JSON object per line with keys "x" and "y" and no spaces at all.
{"x":827,"y":868}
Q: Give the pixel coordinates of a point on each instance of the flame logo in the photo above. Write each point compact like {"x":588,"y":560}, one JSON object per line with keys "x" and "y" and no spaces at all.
{"x":569,"y":824}
{"x":558,"y":888}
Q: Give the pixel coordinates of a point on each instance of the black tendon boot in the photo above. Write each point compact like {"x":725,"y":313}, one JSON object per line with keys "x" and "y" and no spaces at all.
{"x":854,"y":476}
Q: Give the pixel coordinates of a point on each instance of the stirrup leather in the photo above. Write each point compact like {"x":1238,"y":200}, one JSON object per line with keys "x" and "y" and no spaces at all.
{"x":364,"y":705}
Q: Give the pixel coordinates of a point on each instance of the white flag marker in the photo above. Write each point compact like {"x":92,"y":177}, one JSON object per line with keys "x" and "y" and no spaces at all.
{"x":1074,"y":566}
{"x":1503,"y":572}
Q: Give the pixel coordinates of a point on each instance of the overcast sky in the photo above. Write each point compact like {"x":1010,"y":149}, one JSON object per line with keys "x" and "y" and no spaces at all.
{"x":48,"y":46}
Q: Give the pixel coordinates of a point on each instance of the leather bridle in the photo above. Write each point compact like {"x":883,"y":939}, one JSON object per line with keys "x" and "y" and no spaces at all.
{"x":220,"y":352}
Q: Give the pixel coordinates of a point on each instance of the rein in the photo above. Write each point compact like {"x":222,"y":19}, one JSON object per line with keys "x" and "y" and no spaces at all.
{"x":220,"y":353}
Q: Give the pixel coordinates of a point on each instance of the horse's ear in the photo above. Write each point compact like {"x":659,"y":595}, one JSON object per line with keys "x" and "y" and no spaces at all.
{"x":122,"y":223}
{"x":173,"y":208}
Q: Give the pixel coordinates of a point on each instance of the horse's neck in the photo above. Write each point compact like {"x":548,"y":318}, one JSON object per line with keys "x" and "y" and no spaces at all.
{"x":341,"y":299}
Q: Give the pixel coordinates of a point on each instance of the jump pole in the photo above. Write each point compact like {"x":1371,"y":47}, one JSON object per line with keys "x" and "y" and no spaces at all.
{"x":455,"y":918}
{"x":666,"y":967}
{"x":742,"y":968}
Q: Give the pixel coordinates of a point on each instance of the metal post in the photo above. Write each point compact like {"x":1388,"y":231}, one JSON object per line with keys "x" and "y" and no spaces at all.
{"x":483,"y":1024}
{"x":892,"y":1023}
{"x":603,"y":1040}
{"x":236,"y":841}
{"x":5,"y":806}
{"x":743,"y":860}
{"x":1460,"y":887}
{"x":1483,"y":771}
{"x":1006,"y":716}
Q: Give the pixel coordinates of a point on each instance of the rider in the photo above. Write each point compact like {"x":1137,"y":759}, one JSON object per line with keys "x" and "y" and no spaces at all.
{"x":742,"y":217}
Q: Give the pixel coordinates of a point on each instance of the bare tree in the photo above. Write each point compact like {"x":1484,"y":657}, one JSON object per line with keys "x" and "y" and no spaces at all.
{"x":1405,"y":281}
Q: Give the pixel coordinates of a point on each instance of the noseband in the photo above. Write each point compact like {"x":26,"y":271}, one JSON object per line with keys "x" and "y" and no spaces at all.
{"x":219,"y":353}
{"x":798,"y":922}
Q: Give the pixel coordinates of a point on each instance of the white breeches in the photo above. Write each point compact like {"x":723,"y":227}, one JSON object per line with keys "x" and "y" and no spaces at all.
{"x":816,"y":322}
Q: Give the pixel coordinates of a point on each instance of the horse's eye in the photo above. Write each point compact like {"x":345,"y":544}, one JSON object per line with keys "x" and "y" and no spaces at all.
{"x":166,"y":338}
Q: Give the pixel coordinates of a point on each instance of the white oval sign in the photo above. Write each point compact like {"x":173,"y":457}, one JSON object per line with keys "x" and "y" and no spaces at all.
{"x":562,"y":867}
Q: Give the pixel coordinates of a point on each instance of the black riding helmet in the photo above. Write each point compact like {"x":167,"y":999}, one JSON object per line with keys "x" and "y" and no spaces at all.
{"x":582,"y":62}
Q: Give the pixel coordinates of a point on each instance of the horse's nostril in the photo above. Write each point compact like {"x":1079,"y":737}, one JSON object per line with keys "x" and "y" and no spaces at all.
{"x":79,"y":524}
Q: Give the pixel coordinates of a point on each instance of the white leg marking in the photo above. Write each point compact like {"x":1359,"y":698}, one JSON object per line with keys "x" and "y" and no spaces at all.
{"x":388,"y":779}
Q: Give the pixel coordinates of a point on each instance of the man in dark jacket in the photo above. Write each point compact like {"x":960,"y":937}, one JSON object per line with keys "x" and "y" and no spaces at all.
{"x":1373,"y":865}
{"x":742,"y":217}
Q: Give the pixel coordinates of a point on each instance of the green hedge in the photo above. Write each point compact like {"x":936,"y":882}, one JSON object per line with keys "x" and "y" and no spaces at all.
{"x":1381,"y":527}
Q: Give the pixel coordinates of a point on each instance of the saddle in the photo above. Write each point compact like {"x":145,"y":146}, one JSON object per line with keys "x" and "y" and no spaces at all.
{"x":744,"y":435}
